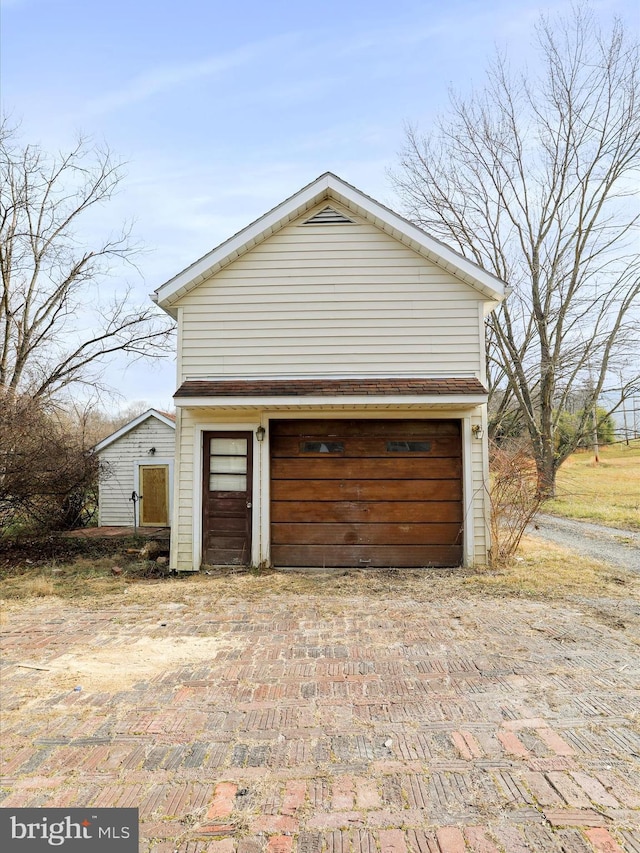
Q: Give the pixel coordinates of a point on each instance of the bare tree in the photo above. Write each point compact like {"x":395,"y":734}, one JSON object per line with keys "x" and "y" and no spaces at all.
{"x":56,"y":326}
{"x":532,"y":178}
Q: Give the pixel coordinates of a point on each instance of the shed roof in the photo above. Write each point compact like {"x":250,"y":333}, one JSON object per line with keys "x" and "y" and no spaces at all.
{"x":163,"y":417}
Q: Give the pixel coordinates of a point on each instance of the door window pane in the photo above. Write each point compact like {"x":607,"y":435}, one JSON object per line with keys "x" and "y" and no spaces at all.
{"x":228,"y":482}
{"x":229,"y":446}
{"x":228,"y":464}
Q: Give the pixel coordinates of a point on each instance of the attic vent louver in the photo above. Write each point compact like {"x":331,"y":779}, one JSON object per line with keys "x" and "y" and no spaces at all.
{"x":328,"y":216}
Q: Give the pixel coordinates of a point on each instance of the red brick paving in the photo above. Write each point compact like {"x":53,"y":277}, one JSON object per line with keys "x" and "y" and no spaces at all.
{"x":333,"y":724}
{"x":602,"y":841}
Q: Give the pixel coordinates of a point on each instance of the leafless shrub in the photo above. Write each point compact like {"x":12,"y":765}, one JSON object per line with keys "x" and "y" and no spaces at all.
{"x":47,"y":473}
{"x":515,"y":498}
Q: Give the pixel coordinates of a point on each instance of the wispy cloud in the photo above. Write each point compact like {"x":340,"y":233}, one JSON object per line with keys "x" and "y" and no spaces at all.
{"x":164,"y":78}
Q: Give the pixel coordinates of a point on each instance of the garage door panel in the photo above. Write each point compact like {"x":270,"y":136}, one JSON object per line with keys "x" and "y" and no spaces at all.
{"x":378,"y":469}
{"x":371,"y":446}
{"x":359,"y":428}
{"x":410,"y":512}
{"x":366,"y":493}
{"x":366,"y":534}
{"x":365,"y":490}
{"x":367,"y":556}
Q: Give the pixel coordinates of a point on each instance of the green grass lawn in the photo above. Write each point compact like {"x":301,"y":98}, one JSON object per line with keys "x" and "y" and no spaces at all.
{"x":607,"y":492}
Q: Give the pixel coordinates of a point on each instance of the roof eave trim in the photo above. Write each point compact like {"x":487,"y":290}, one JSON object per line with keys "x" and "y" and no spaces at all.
{"x":318,"y":401}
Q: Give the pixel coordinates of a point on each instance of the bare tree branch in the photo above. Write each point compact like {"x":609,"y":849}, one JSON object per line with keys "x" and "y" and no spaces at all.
{"x":532,"y":178}
{"x":56,"y":327}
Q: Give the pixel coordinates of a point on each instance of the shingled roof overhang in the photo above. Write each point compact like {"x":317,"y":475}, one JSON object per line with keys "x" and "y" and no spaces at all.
{"x":321,"y":392}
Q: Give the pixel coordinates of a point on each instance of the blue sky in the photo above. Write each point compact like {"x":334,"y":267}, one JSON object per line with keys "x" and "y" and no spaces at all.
{"x":223,"y":109}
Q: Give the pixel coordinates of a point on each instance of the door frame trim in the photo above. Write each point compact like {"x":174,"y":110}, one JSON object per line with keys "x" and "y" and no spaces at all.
{"x":198,"y":485}
{"x":249,"y":435}
{"x":153,"y":460}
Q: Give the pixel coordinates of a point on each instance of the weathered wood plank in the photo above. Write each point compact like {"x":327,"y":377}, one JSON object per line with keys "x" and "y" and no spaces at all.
{"x":370,"y":446}
{"x":227,"y":523}
{"x":365,"y":534}
{"x":367,"y":556}
{"x":226,"y":557}
{"x":340,"y":468}
{"x":366,"y":490}
{"x":219,"y":542}
{"x":359,"y":428}
{"x":407,"y":512}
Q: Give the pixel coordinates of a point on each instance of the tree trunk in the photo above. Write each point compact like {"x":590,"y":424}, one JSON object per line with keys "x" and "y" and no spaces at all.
{"x":546,"y":470}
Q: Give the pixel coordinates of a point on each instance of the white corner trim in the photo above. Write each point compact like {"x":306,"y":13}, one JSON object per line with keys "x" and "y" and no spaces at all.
{"x":467,"y":492}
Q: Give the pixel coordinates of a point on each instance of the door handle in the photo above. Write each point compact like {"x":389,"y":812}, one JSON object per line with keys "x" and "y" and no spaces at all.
{"x":249,"y":504}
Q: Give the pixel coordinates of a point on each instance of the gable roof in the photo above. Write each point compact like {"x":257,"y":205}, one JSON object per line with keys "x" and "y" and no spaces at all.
{"x":329,"y":187}
{"x":163,"y":417}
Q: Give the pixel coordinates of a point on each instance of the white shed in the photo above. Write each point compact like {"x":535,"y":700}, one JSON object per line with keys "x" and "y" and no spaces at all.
{"x":137,"y":458}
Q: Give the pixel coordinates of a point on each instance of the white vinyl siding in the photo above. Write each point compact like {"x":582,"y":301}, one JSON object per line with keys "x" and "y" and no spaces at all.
{"x":323,"y":300}
{"x":119,"y":460}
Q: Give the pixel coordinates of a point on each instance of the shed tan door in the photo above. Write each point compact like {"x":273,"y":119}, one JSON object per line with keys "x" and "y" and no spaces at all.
{"x":154,"y":495}
{"x":226,"y":499}
{"x":366,"y":493}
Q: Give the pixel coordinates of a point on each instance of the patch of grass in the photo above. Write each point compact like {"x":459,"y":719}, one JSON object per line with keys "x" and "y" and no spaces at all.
{"x":545,"y":570}
{"x":38,"y":586}
{"x":80,"y":578}
{"x":540,"y":570}
{"x":607,"y":492}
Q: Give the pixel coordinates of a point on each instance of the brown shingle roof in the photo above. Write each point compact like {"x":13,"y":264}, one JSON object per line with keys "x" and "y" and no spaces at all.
{"x":326,"y":387}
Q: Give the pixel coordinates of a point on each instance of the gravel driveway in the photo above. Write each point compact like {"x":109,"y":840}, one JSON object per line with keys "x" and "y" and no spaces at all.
{"x":619,"y":547}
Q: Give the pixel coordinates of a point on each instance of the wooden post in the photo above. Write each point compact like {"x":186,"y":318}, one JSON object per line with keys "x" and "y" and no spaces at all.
{"x":596,"y":450}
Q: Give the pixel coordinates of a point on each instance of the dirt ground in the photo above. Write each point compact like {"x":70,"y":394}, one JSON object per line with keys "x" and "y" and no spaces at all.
{"x":382,"y":712}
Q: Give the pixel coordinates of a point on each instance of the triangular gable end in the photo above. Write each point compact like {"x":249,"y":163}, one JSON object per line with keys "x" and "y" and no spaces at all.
{"x":168,"y":420}
{"x":329,"y":187}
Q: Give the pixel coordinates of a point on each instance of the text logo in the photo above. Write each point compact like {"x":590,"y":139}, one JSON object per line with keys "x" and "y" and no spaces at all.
{"x":69,"y":830}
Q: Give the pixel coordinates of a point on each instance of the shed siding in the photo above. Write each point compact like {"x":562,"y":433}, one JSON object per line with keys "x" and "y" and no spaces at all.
{"x":119,"y":458}
{"x":323,"y":300}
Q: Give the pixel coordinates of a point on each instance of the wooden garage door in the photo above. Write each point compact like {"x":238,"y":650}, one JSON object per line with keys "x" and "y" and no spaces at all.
{"x":366,"y":493}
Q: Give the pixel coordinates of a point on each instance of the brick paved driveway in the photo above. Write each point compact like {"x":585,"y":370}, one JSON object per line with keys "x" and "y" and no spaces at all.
{"x":333,"y":723}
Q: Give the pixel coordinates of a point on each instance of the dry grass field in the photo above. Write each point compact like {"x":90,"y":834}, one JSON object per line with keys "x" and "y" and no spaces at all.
{"x":540,"y":570}
{"x":607,"y":492}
